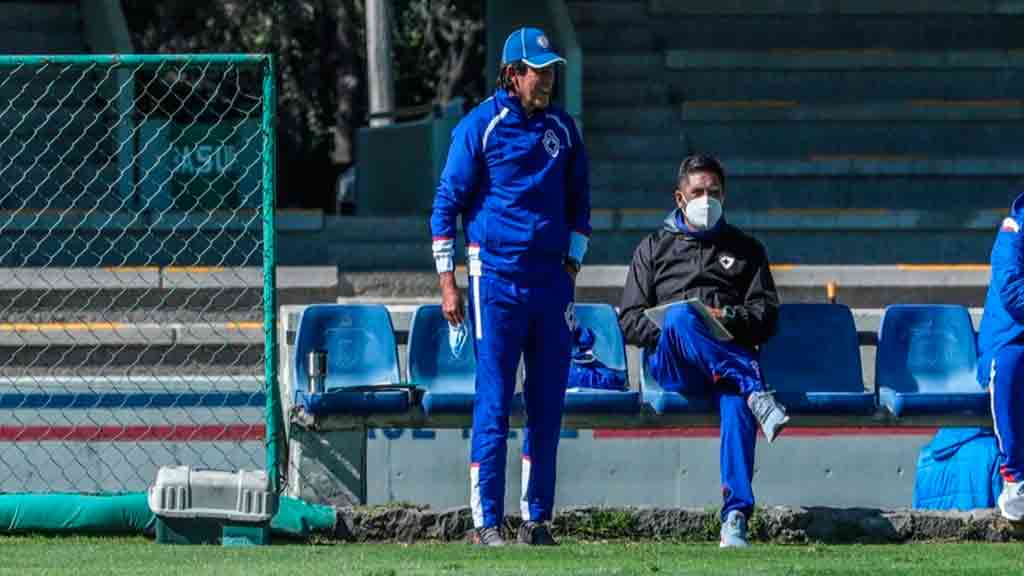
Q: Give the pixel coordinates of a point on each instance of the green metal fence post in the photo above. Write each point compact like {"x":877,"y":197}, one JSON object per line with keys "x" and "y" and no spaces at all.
{"x":274,"y":417}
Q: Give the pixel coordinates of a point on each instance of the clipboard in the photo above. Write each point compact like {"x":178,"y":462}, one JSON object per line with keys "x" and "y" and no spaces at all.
{"x":657,"y":315}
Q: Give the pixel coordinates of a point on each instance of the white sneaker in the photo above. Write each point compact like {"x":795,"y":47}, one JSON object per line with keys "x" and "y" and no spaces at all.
{"x":769,"y":413}
{"x":734,"y":531}
{"x":1011,"y":501}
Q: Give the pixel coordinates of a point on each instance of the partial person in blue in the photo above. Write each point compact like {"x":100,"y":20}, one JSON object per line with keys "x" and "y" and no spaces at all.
{"x":517,"y":175}
{"x":1001,"y":362}
{"x":697,"y":254}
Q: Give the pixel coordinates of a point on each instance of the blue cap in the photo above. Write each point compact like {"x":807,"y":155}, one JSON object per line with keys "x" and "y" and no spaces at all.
{"x":531,"y":46}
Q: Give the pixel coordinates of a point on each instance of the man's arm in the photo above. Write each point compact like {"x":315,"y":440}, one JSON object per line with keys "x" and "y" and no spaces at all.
{"x":754,"y":322}
{"x":1008,"y":271}
{"x":458,"y":183}
{"x":578,"y":198}
{"x":637,"y":296}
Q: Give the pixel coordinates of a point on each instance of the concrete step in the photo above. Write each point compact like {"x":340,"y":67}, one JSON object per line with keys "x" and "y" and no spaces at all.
{"x":812,"y":177}
{"x":42,"y":41}
{"x":58,"y":186}
{"x":996,"y":139}
{"x":792,"y":236}
{"x":634,"y":30}
{"x":661,"y":79}
{"x":823,"y":247}
{"x":669,"y":8}
{"x":936,"y":193}
{"x":858,"y":286}
{"x":53,"y":17}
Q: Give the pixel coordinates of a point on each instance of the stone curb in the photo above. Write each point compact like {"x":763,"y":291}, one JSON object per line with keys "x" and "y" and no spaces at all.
{"x":781,"y":525}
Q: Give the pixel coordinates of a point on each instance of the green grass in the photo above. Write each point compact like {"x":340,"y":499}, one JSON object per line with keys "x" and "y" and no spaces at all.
{"x":38,"y":555}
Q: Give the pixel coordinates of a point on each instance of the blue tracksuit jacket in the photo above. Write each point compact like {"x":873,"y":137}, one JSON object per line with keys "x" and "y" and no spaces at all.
{"x":521,"y":185}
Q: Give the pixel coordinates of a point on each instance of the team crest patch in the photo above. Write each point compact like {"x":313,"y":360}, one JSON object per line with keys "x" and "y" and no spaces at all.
{"x":1010,"y":225}
{"x":542,"y":41}
{"x":726,"y":261}
{"x":551,"y":143}
{"x":570,"y":316}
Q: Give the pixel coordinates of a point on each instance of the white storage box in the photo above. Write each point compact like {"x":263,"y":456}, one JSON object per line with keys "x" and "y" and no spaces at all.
{"x":243,"y":496}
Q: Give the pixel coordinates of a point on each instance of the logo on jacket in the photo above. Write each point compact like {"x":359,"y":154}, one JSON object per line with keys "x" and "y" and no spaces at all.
{"x":570,"y":316}
{"x":551,"y":143}
{"x":1010,"y":225}
{"x":726,"y":261}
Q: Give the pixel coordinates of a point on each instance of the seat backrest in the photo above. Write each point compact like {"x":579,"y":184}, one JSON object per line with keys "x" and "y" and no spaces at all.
{"x":926,"y":348}
{"x":815,"y":350}
{"x":432,"y":362}
{"x":609,"y":347}
{"x":359,"y":341}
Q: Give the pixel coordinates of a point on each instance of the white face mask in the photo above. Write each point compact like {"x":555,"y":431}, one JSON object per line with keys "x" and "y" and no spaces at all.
{"x":703,"y":213}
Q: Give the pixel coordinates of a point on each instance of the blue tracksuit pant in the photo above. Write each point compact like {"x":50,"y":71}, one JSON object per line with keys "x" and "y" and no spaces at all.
{"x":690,"y":360}
{"x":510,"y":321}
{"x":1006,"y":386}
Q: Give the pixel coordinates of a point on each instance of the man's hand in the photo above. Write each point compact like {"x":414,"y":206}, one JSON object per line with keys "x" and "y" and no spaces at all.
{"x":716,"y":312}
{"x":451,"y":299}
{"x":572,"y":268}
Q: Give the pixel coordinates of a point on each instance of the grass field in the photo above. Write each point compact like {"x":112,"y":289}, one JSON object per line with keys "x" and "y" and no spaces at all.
{"x":38,"y":555}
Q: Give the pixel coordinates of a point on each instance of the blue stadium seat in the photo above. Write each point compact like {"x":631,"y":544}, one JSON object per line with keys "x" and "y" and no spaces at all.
{"x":446,"y":379}
{"x":813,"y":361}
{"x":665,"y":402}
{"x":362,"y":360}
{"x":610,"y":349}
{"x":926,"y":361}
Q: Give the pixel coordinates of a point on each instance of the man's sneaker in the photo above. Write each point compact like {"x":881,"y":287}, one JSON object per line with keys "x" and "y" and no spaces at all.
{"x":734,"y":531}
{"x":536,"y":534}
{"x":769,"y":414}
{"x":488,"y":537}
{"x":1011,"y":501}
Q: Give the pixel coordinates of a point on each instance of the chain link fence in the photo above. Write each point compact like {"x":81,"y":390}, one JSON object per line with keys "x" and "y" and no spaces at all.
{"x":136,"y":268}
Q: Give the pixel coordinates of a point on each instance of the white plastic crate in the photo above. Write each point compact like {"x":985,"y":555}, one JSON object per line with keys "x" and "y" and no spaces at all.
{"x":243,"y":496}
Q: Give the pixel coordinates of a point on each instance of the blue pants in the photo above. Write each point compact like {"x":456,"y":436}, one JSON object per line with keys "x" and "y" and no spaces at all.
{"x":1006,"y":387}
{"x":689,"y":360}
{"x":510,"y":321}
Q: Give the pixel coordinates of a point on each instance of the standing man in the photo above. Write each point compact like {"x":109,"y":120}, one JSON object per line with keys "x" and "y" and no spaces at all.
{"x":1001,"y":364}
{"x":697,"y":254}
{"x":517,"y":174}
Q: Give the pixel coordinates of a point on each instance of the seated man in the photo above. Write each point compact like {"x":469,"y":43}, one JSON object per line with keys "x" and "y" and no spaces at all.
{"x":697,"y":254}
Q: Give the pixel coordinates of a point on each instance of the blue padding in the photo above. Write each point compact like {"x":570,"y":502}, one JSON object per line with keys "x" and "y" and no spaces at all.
{"x":585,"y":400}
{"x":663,"y":401}
{"x":139,"y":400}
{"x":609,"y":346}
{"x":926,"y":361}
{"x":813,"y":361}
{"x":904,"y":403}
{"x":342,"y":401}
{"x":610,"y":349}
{"x":361,"y":352}
{"x":446,"y":376}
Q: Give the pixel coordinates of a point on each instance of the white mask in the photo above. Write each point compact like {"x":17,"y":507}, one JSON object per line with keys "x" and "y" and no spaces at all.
{"x":703,"y":213}
{"x":456,"y":338}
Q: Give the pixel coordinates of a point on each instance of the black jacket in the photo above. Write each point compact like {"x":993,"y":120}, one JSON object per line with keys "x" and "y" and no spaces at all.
{"x":726,"y":268}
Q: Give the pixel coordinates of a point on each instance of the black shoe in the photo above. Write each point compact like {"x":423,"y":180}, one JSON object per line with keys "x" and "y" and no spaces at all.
{"x":536,"y":534}
{"x":488,"y":537}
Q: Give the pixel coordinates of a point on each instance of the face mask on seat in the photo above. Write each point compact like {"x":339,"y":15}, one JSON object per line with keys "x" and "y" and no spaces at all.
{"x":703,"y":213}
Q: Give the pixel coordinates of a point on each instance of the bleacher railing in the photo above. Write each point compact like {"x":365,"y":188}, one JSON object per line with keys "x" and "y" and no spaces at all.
{"x":134,"y":191}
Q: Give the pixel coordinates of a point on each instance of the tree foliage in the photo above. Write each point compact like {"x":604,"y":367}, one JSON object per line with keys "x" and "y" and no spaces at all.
{"x":321,"y":61}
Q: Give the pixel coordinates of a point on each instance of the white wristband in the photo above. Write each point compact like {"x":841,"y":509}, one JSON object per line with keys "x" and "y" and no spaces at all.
{"x":578,"y":244}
